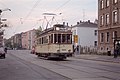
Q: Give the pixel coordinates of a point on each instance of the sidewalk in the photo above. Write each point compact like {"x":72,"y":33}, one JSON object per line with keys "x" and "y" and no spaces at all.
{"x":103,"y":58}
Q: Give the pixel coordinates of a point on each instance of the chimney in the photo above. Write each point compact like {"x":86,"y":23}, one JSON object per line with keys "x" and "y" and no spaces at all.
{"x":88,"y":21}
{"x":77,"y":22}
{"x":80,"y":21}
{"x":67,"y":24}
{"x":64,"y":23}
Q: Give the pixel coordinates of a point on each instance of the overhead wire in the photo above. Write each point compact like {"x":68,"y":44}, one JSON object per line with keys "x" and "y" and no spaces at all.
{"x":2,"y":3}
{"x":44,"y":17}
{"x":34,"y":6}
{"x":63,"y":5}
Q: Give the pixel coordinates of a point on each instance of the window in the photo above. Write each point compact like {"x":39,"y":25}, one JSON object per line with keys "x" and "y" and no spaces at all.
{"x":59,"y":38}
{"x":107,"y":18}
{"x":63,"y":38}
{"x":39,"y":41}
{"x":101,"y":4}
{"x":115,"y":19}
{"x":51,"y":38}
{"x":95,"y":32}
{"x":102,"y":37}
{"x":74,"y":32}
{"x":107,"y":37}
{"x":69,"y":37}
{"x":101,"y":48}
{"x":115,"y":1}
{"x":55,"y":38}
{"x":114,"y":35}
{"x":95,"y":43}
{"x":42,"y":40}
{"x":101,"y":20}
{"x":107,"y":3}
{"x":45,"y":40}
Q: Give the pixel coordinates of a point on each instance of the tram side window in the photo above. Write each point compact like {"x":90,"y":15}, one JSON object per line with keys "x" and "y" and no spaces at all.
{"x":69,"y":38}
{"x":42,"y":40}
{"x":59,"y":38}
{"x":39,"y":41}
{"x":66,"y":38}
{"x":55,"y":38}
{"x":51,"y":38}
{"x":45,"y":40}
{"x":63,"y":38}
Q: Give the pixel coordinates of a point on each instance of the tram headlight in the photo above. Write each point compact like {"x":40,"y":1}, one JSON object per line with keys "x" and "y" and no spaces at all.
{"x":69,"y":50}
{"x":58,"y":51}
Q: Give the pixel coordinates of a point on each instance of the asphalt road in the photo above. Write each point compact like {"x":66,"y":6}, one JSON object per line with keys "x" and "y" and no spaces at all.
{"x":33,"y":68}
{"x":14,"y":68}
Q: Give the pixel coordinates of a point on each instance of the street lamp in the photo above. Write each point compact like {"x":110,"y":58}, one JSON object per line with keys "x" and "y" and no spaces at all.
{"x":1,"y":10}
{"x":7,"y":9}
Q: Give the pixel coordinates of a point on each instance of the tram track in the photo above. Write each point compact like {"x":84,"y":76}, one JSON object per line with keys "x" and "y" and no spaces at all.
{"x":63,"y":65}
{"x":86,"y":67}
{"x":37,"y":69}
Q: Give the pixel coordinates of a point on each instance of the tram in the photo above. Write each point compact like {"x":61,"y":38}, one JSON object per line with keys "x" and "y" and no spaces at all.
{"x":55,"y":42}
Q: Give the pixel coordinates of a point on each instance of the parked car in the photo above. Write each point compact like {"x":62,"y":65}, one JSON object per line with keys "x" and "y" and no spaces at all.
{"x":2,"y":52}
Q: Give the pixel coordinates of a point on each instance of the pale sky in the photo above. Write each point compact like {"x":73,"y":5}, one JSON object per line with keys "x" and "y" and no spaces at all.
{"x":28,"y":14}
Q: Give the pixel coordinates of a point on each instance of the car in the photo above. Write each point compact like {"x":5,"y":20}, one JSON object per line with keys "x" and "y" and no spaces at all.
{"x":2,"y":52}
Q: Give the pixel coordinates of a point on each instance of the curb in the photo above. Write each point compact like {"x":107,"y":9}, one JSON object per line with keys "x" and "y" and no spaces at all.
{"x":97,"y":60}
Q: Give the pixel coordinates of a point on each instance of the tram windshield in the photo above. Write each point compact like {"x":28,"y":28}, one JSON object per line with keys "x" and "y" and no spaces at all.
{"x":62,"y":38}
{"x":55,"y":38}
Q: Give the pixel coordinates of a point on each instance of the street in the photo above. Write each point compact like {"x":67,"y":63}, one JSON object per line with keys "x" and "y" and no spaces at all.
{"x":21,"y":65}
{"x":13,"y":68}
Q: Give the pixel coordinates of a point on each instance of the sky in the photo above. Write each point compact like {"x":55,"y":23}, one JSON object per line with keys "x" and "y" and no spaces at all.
{"x":29,"y":14}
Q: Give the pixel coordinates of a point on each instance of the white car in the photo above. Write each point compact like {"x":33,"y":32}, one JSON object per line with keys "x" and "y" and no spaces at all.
{"x":2,"y":52}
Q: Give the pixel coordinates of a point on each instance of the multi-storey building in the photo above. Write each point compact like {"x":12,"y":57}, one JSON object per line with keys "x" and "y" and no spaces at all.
{"x":108,"y":25}
{"x":28,"y":39}
{"x":16,"y":41}
{"x":87,"y":34}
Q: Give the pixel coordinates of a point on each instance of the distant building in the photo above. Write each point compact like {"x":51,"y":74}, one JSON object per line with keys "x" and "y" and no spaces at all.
{"x":16,"y":41}
{"x":87,"y":34}
{"x":108,"y":25}
{"x":28,"y":39}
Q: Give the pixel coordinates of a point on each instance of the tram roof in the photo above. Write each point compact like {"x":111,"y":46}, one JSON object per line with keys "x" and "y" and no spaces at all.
{"x":53,"y":29}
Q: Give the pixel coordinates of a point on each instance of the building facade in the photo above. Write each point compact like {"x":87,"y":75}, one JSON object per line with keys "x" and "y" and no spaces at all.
{"x":87,"y":34}
{"x":28,"y":39}
{"x":108,"y":25}
{"x":16,"y":41}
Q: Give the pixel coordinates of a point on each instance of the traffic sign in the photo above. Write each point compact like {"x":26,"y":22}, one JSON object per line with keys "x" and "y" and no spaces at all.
{"x":75,"y":38}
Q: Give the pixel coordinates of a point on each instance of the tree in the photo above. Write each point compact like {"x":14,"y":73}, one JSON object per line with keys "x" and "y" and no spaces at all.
{"x":38,"y":31}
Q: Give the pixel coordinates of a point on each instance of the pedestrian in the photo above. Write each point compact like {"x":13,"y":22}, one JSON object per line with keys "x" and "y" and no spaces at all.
{"x":115,"y":53}
{"x":5,"y":49}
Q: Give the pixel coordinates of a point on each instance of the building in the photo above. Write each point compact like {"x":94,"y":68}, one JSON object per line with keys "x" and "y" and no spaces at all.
{"x":86,"y":33}
{"x":15,"y":41}
{"x":108,"y":25}
{"x":28,"y":39}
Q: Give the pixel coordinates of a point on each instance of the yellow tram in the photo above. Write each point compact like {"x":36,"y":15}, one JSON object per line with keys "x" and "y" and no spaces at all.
{"x":55,"y":42}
